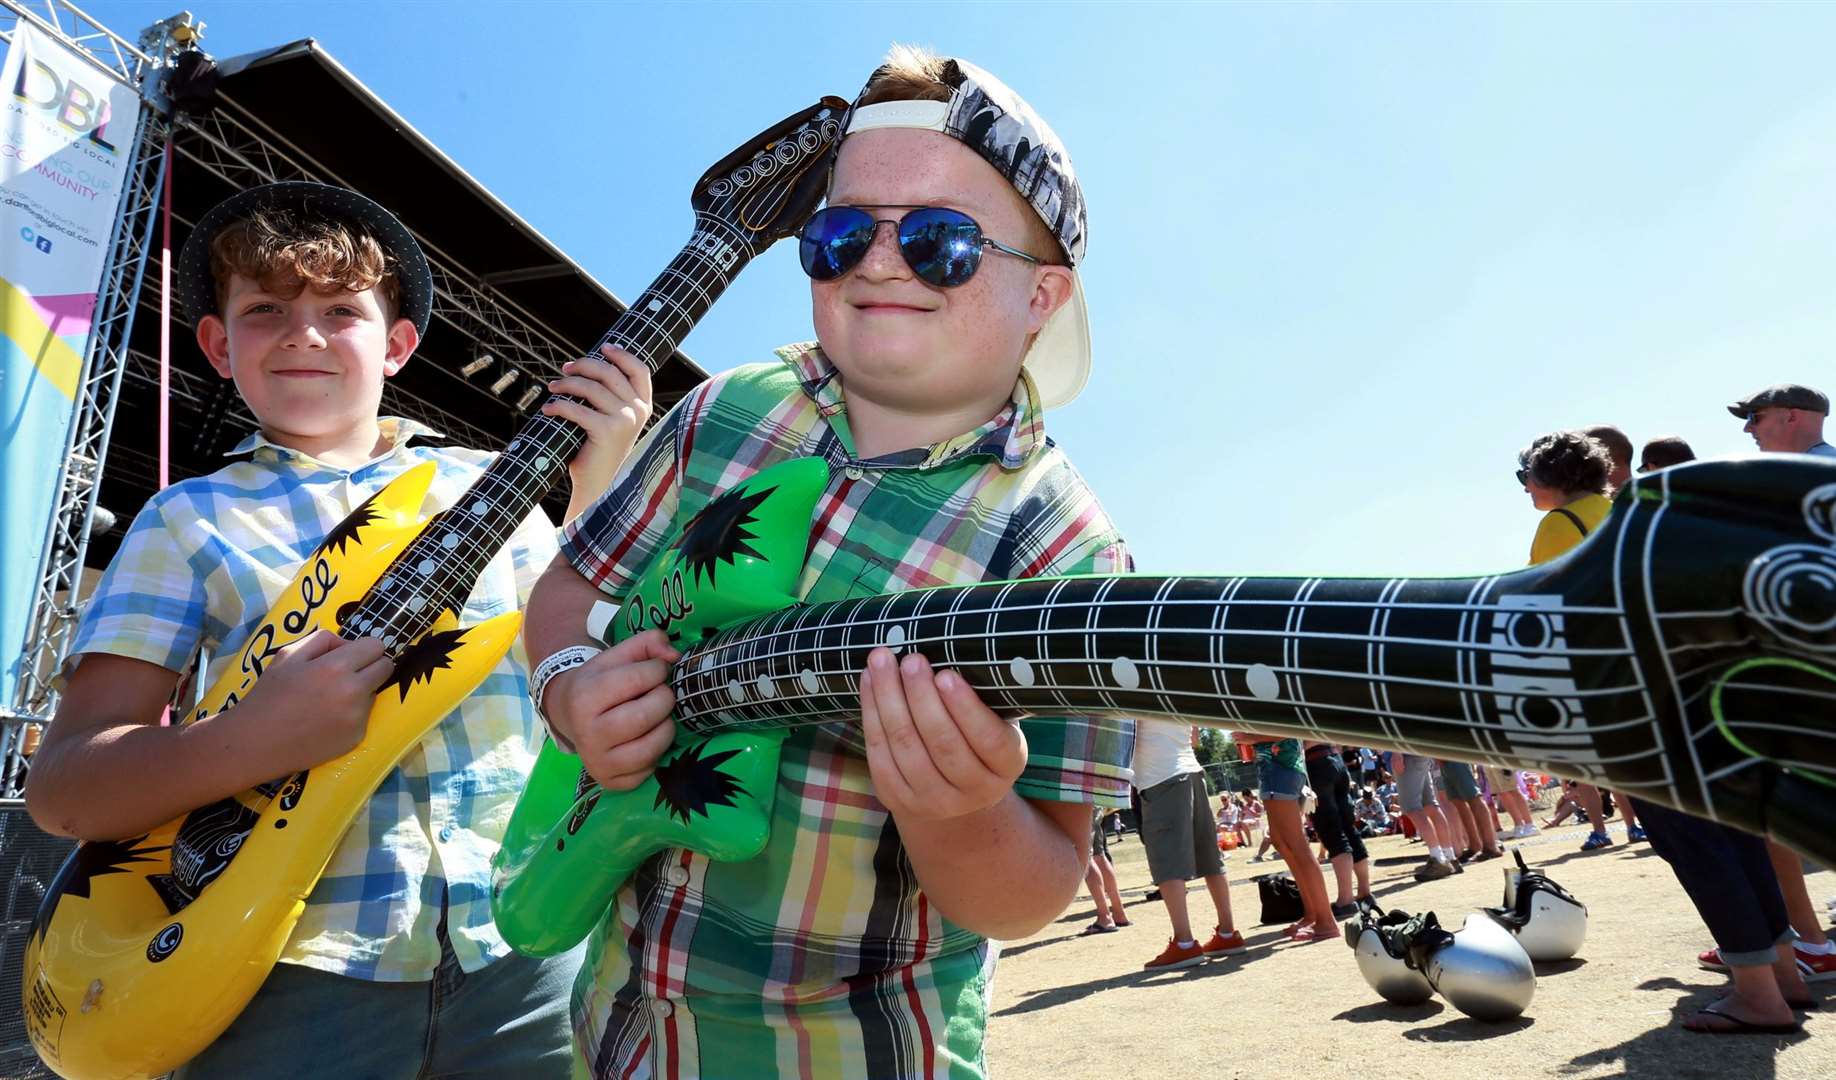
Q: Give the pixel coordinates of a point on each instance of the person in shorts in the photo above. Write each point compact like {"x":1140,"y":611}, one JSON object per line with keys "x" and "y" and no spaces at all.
{"x":1415,"y":795}
{"x":1181,"y":838}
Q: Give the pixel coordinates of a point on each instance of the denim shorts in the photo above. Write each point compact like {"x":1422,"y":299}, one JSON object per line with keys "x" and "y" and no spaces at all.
{"x":1457,"y":778}
{"x":1278,"y":781}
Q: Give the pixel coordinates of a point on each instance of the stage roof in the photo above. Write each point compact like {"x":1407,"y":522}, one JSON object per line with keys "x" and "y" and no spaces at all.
{"x":295,"y":113}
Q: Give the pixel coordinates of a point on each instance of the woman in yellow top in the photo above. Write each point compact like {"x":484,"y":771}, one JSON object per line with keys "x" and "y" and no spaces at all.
{"x":1565,"y":473}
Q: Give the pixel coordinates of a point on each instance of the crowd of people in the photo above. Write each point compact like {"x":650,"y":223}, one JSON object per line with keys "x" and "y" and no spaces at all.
{"x":1750,"y":893}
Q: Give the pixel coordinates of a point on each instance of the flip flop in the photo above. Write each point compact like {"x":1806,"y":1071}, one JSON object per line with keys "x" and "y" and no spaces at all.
{"x":1097,"y":928}
{"x":1308,"y":934}
{"x":1120,"y":923}
{"x":1741,"y":1027}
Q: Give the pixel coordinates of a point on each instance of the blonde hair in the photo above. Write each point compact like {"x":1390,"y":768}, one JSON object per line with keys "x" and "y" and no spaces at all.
{"x":915,"y":73}
{"x":288,"y":253}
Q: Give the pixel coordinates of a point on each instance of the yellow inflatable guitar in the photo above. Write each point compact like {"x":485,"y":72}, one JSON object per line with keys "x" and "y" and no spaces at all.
{"x":146,"y":948}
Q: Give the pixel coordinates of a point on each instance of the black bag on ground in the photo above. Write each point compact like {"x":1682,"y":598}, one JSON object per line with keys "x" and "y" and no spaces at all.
{"x":1281,"y":898}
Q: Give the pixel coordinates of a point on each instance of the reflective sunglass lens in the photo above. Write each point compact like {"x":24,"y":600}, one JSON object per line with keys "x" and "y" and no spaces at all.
{"x":942,"y":246}
{"x":833,"y":241}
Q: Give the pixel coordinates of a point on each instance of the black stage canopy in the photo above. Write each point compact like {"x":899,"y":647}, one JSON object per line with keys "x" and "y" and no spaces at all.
{"x":503,"y":292}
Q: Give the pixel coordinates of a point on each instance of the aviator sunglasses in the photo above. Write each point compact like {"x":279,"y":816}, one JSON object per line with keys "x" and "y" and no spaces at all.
{"x":941,"y":245}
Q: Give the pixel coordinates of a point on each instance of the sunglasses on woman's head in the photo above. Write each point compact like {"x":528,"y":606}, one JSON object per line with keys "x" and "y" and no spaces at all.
{"x":942,"y":246}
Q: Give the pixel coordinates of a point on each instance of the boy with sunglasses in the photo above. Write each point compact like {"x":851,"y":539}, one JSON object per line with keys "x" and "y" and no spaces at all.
{"x":949,"y":318}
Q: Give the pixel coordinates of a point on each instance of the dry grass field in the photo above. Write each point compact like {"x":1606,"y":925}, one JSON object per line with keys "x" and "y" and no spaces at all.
{"x":1080,"y":1008}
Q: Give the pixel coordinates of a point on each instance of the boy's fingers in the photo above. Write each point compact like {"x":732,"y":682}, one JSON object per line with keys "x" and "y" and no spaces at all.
{"x":936,"y":726}
{"x":889,"y":783}
{"x":312,"y":646}
{"x":603,"y":374}
{"x":359,"y":654}
{"x":603,"y":398}
{"x":630,"y":366}
{"x":988,"y":735}
{"x":904,"y":743}
{"x":649,"y":645}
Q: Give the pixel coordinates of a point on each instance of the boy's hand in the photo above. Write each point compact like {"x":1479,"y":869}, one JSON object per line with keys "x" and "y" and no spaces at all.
{"x":313,"y":699}
{"x":934,"y":750}
{"x":616,"y":391}
{"x":616,"y":709}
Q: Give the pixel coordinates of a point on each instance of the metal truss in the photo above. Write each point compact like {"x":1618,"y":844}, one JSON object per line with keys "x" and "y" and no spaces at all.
{"x":67,"y":22}
{"x":86,"y":448}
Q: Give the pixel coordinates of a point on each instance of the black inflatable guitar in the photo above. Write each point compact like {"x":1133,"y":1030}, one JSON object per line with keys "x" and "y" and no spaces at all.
{"x":1685,"y":653}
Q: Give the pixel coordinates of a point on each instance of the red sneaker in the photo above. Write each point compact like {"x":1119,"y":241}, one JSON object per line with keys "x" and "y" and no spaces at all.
{"x":1222,"y":944}
{"x":1815,"y":967}
{"x":1711,"y":960}
{"x":1176,"y":956}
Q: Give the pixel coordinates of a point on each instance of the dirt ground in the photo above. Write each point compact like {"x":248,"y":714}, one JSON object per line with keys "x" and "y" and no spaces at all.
{"x":1068,"y":1007}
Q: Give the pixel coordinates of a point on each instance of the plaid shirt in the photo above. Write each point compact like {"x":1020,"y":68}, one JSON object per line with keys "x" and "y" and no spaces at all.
{"x":822,"y":956}
{"x":205,"y":561}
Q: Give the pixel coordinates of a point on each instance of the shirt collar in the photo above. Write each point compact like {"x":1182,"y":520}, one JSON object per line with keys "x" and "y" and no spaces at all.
{"x":396,"y":432}
{"x":1013,"y":436}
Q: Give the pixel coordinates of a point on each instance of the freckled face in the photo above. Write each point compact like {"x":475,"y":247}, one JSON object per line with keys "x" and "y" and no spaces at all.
{"x":311,"y":366}
{"x":897,"y":339}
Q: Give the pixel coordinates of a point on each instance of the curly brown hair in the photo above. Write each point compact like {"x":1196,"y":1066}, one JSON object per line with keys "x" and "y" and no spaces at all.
{"x":1571,"y":462}
{"x":288,"y":252}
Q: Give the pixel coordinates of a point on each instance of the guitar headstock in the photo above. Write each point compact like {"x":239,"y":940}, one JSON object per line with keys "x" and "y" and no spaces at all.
{"x":770,"y":185}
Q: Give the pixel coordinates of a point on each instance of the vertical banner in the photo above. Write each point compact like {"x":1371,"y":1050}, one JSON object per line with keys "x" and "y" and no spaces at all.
{"x":66,"y":133}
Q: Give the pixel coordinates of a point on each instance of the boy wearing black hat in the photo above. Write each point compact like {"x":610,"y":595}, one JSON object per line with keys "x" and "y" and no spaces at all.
{"x":946,"y":303}
{"x":308,"y":297}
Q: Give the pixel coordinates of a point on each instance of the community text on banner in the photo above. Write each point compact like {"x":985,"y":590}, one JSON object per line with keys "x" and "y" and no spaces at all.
{"x":66,"y":135}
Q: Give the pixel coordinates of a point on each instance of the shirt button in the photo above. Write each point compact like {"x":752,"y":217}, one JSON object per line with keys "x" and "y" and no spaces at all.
{"x":855,"y":472}
{"x":661,"y":1009}
{"x":446,"y":832}
{"x":677,"y":875}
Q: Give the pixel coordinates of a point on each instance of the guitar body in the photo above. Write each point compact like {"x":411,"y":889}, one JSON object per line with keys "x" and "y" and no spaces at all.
{"x":570,"y":843}
{"x":145,"y":949}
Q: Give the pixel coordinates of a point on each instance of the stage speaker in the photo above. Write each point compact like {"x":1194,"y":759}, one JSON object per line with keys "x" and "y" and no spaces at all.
{"x":29,"y":860}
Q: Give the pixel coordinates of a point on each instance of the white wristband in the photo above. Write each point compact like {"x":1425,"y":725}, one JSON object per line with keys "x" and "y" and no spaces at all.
{"x":564,"y":660}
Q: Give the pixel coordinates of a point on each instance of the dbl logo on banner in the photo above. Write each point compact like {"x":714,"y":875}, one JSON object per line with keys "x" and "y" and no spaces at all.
{"x":74,"y":106}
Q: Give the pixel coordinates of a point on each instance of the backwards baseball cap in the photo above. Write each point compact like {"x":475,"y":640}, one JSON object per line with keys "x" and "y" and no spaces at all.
{"x":989,"y":118}
{"x":1782,"y":396}
{"x":197,"y":290}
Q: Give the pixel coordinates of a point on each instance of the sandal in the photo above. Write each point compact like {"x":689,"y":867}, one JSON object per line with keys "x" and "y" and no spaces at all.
{"x":1098,"y":928}
{"x":1740,"y":1027}
{"x":1120,"y":923}
{"x":1311,"y":933}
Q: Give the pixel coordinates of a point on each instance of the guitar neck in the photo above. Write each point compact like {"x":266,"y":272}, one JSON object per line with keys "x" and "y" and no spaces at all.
{"x":1430,"y":664}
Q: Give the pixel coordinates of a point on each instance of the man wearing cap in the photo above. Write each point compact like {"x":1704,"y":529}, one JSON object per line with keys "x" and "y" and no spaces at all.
{"x":949,"y":319}
{"x":1787,"y":418}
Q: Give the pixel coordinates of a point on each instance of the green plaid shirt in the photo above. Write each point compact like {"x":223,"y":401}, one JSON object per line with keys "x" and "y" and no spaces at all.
{"x":822,"y":956}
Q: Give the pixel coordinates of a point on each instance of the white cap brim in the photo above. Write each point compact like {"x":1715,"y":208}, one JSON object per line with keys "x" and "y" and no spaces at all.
{"x":1059,"y":360}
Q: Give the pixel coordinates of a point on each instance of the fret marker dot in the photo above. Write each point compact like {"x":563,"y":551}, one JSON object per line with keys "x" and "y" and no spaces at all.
{"x":736,"y":691}
{"x":386,"y":583}
{"x":811,"y":683}
{"x":1021,"y":671}
{"x":449,"y":541}
{"x":416,"y":603}
{"x":426,"y":567}
{"x":706,"y":662}
{"x":1127,"y":676}
{"x":479,"y":507}
{"x":541,"y":463}
{"x":1262,"y":682}
{"x":514,"y":443}
{"x":766,"y":689}
{"x":895,"y":637}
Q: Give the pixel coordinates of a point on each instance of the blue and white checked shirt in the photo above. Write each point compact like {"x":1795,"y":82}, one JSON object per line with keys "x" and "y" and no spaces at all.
{"x":208,"y":557}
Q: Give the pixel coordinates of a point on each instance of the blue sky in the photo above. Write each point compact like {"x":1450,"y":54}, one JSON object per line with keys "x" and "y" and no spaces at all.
{"x":1344,"y":260}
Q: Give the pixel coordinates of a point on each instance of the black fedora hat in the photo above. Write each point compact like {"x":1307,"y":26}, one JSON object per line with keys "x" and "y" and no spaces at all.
{"x":197,"y":291}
